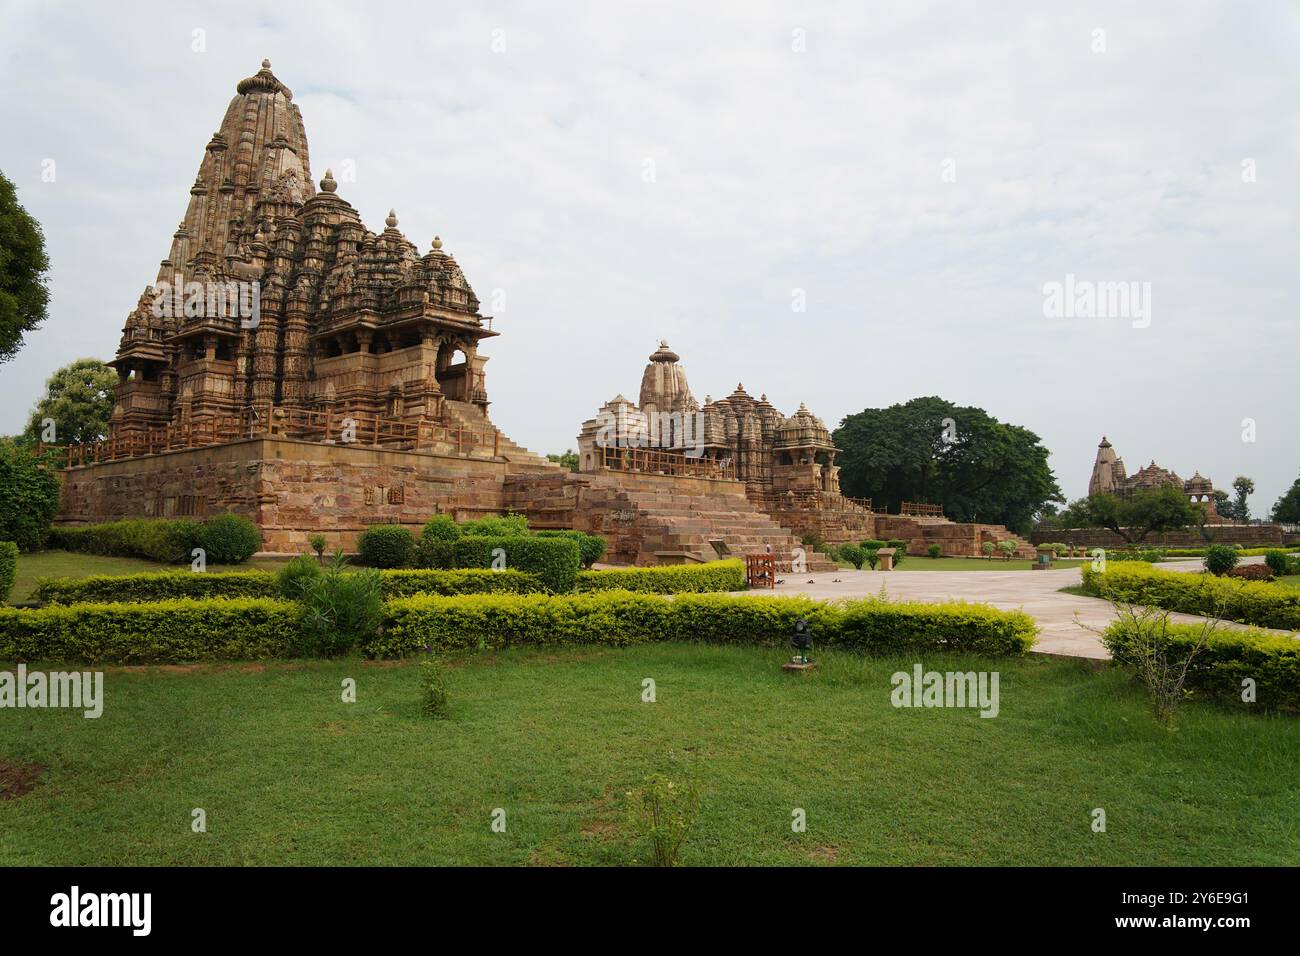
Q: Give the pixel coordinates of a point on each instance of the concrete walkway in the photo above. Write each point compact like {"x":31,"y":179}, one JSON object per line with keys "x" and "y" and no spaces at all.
{"x":1062,"y":619}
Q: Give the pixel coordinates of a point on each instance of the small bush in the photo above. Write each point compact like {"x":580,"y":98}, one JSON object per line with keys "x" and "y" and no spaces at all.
{"x":8,"y":568}
{"x":591,"y":547}
{"x":496,"y":526}
{"x":386,"y":546}
{"x":987,"y":549}
{"x":292,"y":578}
{"x":854,"y":555}
{"x":555,"y":561}
{"x":726,"y":575}
{"x":663,"y":813}
{"x":812,"y":541}
{"x":1279,"y":562}
{"x":934,"y":550}
{"x":229,"y":539}
{"x":434,"y":700}
{"x":872,"y":544}
{"x":1252,"y":572}
{"x":1220,"y":559}
{"x":1008,"y":548}
{"x":341,"y":609}
{"x":440,"y":528}
{"x":900,"y":549}
{"x":29,"y":495}
{"x":317,"y":543}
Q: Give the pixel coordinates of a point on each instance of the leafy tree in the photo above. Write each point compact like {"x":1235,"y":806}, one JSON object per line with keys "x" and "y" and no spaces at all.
{"x":569,"y":459}
{"x":1135,"y":516}
{"x":1223,"y":504}
{"x":1287,"y":508}
{"x":79,"y":398}
{"x":29,"y":495}
{"x":23,"y":267}
{"x":978,"y":468}
{"x":1244,"y":488}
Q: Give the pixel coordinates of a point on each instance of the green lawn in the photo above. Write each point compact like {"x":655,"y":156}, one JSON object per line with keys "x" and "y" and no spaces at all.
{"x":289,"y":774}
{"x":71,"y":564}
{"x":924,"y":563}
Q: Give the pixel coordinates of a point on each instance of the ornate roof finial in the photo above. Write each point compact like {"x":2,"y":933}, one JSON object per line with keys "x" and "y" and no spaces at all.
{"x":266,"y":64}
{"x":437,"y":244}
{"x":328,"y":185}
{"x":391,"y":221}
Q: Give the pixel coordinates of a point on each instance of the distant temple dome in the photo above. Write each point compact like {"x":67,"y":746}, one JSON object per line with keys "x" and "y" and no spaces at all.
{"x":803,"y":429}
{"x":663,"y":384}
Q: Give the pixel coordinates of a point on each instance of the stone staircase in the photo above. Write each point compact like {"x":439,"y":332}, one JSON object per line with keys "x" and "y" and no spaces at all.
{"x":470,"y":416}
{"x":959,"y":540}
{"x":656,"y":519}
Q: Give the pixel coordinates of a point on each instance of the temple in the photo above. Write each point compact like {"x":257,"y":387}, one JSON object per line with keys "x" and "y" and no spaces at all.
{"x":277,"y":304}
{"x":1110,"y":477}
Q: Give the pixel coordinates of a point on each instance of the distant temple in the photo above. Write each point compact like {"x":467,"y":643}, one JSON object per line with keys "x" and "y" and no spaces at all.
{"x":1109,"y":477}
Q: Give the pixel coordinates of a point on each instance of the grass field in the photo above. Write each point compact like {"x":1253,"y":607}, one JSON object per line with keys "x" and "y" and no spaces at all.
{"x":289,"y":774}
{"x":71,"y":564}
{"x":924,"y":563}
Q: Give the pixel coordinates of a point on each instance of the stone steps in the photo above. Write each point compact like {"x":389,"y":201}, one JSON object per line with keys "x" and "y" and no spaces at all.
{"x":469,"y":415}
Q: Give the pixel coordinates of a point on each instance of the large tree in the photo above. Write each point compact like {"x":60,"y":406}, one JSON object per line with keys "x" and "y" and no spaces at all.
{"x":1244,"y":488}
{"x":1136,"y":515}
{"x":29,"y":495}
{"x":930,"y":450}
{"x":79,"y":400}
{"x":23,"y":267}
{"x":1287,"y":508}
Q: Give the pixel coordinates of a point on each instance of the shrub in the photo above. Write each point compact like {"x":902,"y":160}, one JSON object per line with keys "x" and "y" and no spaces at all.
{"x":8,"y":568}
{"x":812,"y":541}
{"x":386,"y":546}
{"x":1161,"y":664}
{"x":663,"y":813}
{"x":166,"y":632}
{"x":496,"y":526}
{"x":620,"y":618}
{"x":987,"y":549}
{"x":440,"y":528}
{"x":554,"y":561}
{"x":1247,"y":602}
{"x":934,"y":550}
{"x":1252,"y":572}
{"x":29,"y":495}
{"x":872,"y":544}
{"x":1220,"y":559}
{"x":1227,"y":658}
{"x":1279,"y":562}
{"x":591,"y":547}
{"x":341,"y":609}
{"x":434,"y":700}
{"x":229,"y":539}
{"x":1008,"y":548}
{"x":155,"y":586}
{"x":164,"y":540}
{"x":317,"y":543}
{"x":404,"y":583}
{"x":726,"y":575}
{"x":290,"y":581}
{"x":854,"y":555}
{"x":900,"y":550}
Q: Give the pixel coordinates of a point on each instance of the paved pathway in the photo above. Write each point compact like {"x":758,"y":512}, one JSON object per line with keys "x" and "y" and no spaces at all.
{"x":1038,"y":593}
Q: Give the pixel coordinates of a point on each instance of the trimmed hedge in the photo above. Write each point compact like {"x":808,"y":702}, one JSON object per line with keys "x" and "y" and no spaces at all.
{"x":619,"y":618}
{"x":555,"y":561}
{"x":155,"y":586}
{"x":171,"y":585}
{"x":158,"y":539}
{"x":229,"y":538}
{"x":386,"y":546}
{"x":591,"y":547}
{"x":1228,"y":657}
{"x":726,"y":575}
{"x":8,"y":568}
{"x":166,"y":632}
{"x":1247,"y":602}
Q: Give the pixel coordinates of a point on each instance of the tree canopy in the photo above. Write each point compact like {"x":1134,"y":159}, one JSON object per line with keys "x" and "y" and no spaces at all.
{"x":930,"y":450}
{"x":1287,"y":508}
{"x":1136,"y":515}
{"x":24,"y":297}
{"x":79,"y":400}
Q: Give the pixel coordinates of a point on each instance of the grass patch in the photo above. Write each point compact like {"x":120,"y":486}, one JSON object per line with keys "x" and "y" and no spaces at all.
{"x":73,"y":564}
{"x":289,"y":774}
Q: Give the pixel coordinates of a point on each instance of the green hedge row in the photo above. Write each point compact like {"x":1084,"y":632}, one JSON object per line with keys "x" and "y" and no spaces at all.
{"x":227,"y":538}
{"x":162,"y":632}
{"x":726,"y":575}
{"x":1241,"y":552}
{"x":170,"y":585}
{"x":620,"y":618}
{"x":1248,"y":602}
{"x":555,"y":561}
{"x":1228,"y":658}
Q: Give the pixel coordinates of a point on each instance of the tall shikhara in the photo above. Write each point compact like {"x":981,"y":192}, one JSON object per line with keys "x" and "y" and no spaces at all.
{"x":336,"y":321}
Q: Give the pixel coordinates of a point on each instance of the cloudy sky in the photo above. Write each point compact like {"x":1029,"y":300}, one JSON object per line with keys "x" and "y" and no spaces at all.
{"x":610,"y":174}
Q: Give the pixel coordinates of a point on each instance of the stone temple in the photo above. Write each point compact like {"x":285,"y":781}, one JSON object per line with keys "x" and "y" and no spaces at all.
{"x":1109,"y":476}
{"x":291,"y":365}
